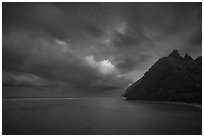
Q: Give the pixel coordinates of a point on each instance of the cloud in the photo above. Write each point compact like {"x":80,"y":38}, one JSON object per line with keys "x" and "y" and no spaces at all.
{"x":128,"y":63}
{"x":26,"y":79}
{"x":196,"y":38}
{"x":122,"y":40}
{"x":51,"y":19}
{"x":63,"y":46}
{"x":93,"y":29}
{"x":53,"y":60}
{"x":55,"y":41}
{"x":105,"y":67}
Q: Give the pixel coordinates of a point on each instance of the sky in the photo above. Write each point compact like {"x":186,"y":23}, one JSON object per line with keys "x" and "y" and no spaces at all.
{"x":93,"y":45}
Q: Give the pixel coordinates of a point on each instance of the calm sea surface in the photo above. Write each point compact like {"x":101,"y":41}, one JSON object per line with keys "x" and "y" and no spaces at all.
{"x":94,"y":115}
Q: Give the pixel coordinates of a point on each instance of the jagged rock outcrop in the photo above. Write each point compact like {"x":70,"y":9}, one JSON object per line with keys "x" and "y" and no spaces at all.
{"x":172,"y":78}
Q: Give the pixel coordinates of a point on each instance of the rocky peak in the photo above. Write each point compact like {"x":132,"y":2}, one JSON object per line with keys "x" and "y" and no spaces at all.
{"x":187,"y":57}
{"x":175,"y":55}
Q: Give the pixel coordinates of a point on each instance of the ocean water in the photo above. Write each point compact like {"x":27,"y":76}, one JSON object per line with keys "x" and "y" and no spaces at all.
{"x":62,"y":92}
{"x":96,"y":115}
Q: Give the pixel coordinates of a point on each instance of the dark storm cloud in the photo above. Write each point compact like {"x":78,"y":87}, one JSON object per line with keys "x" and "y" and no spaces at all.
{"x":92,"y":29}
{"x":12,"y":60}
{"x":129,"y":63}
{"x":196,"y":38}
{"x":156,"y":21}
{"x":32,"y":57}
{"x":26,"y":79}
{"x":168,"y":18}
{"x":185,"y":16}
{"x":123,"y":40}
{"x":40,"y":17}
{"x":13,"y":55}
{"x":49,"y":19}
{"x":49,"y":41}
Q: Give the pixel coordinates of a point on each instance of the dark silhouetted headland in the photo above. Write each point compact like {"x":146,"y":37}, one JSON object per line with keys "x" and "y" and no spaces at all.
{"x":172,"y":78}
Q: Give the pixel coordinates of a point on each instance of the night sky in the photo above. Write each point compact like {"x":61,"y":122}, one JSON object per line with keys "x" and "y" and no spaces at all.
{"x":88,"y":45}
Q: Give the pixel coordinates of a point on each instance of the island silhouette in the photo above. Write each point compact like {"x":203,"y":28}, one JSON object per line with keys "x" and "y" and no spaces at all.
{"x":171,"y":78}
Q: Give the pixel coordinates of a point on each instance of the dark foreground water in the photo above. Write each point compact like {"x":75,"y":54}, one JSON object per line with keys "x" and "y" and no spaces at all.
{"x":98,"y":116}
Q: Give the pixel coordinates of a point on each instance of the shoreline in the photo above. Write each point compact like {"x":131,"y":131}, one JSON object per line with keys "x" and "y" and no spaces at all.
{"x":169,"y":102}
